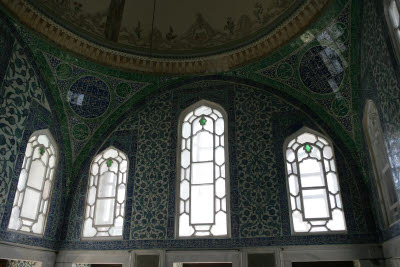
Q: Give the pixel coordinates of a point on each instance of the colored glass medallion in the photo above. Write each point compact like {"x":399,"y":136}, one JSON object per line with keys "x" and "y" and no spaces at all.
{"x":203,"y":121}
{"x":109,"y":162}
{"x":308,"y":148}
{"x":41,"y":150}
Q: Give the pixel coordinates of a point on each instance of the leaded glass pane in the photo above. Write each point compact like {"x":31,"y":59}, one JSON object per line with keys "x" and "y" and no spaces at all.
{"x":30,"y":204}
{"x":202,"y":204}
{"x":35,"y":183}
{"x":311,"y":173}
{"x":314,"y":192}
{"x":106,"y":195}
{"x":315,"y":204}
{"x":202,"y":186}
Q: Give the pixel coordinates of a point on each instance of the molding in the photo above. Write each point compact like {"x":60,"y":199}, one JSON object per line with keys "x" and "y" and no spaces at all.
{"x":330,"y":253}
{"x":391,"y":248}
{"x":235,"y":257}
{"x":64,"y":38}
{"x":46,"y":257}
{"x":284,"y":256}
{"x":67,"y":258}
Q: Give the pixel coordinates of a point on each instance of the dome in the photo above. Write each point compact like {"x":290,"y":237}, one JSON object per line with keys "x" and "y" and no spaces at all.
{"x":171,"y":36}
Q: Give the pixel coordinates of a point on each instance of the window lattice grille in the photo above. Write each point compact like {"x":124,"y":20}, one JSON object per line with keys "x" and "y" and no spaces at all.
{"x":203,"y":180}
{"x":314,"y":193}
{"x":35,"y":183}
{"x":106,"y":195}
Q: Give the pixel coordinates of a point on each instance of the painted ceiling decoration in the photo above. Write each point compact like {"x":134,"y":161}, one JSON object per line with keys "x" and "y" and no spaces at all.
{"x":150,"y":37}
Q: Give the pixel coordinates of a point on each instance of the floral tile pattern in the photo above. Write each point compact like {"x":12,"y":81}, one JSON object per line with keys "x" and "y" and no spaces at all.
{"x":43,"y":87}
{"x":380,"y":81}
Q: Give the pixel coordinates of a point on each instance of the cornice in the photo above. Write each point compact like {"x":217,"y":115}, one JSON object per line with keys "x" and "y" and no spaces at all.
{"x":69,"y":41}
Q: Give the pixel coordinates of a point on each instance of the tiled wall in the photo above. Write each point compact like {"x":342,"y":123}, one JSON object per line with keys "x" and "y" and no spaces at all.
{"x":138,"y":114}
{"x":379,"y":81}
{"x":24,"y":108}
{"x":258,"y":122}
{"x":19,"y":263}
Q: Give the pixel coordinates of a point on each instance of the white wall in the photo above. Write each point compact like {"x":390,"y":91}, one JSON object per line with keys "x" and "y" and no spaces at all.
{"x":367,"y":255}
{"x":391,"y":251}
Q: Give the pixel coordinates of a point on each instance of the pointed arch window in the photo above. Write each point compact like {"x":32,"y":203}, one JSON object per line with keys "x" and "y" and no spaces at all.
{"x":203,"y":179}
{"x":35,"y":183}
{"x":106,"y":195}
{"x":313,"y":187}
{"x":389,"y":196}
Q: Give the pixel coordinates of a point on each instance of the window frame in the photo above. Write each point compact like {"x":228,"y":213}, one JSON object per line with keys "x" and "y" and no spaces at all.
{"x":395,"y":40}
{"x":52,"y":141}
{"x":182,"y":116}
{"x":330,"y":143}
{"x":105,"y":238}
{"x":383,"y":200}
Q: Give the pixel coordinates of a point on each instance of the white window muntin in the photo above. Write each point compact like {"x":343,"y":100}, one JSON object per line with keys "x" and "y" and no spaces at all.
{"x":305,"y":188}
{"x":98,"y":223}
{"x":193,"y":115}
{"x":37,"y":180}
{"x":330,"y":189}
{"x":390,"y":203}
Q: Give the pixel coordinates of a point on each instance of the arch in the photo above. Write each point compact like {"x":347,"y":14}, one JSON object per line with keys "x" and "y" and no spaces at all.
{"x":202,"y":201}
{"x":315,"y":203}
{"x":323,"y":118}
{"x":35,"y":184}
{"x":389,"y":198}
{"x":106,"y":195}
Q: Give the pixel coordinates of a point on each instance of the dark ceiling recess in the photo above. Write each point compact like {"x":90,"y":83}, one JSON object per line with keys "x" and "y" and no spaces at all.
{"x":207,"y":265}
{"x":323,"y":264}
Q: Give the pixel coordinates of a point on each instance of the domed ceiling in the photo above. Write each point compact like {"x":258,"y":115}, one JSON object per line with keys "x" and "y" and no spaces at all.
{"x":170,"y":30}
{"x":177,"y":28}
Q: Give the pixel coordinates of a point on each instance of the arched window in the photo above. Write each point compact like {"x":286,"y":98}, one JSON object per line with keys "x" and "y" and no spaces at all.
{"x":106,"y":195}
{"x":203,"y":180}
{"x":313,"y":187}
{"x":392,"y":11}
{"x":35,"y":183}
{"x":383,"y":172}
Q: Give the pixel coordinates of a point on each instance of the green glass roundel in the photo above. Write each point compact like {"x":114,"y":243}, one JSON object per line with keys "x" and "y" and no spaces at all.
{"x":41,"y":150}
{"x":203,"y":121}
{"x":109,"y":162}
{"x":308,"y":148}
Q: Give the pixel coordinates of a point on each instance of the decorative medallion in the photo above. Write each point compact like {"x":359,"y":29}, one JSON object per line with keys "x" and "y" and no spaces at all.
{"x":123,"y":89}
{"x":321,"y":70}
{"x":340,"y":106}
{"x":89,"y":97}
{"x":64,"y":71}
{"x":284,"y":71}
{"x":80,"y":131}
